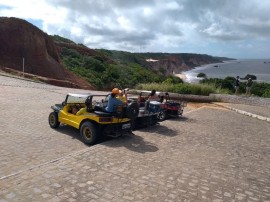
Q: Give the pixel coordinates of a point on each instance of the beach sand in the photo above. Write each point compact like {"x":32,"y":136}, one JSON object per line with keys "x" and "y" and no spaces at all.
{"x":181,"y":76}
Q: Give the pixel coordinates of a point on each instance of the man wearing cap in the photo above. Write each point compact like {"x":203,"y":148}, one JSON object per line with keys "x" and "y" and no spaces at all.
{"x":113,"y":102}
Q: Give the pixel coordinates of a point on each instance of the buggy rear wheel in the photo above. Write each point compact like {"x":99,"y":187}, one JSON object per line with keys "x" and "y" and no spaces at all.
{"x":53,"y":120}
{"x":180,"y":112}
{"x":89,"y":133}
{"x":132,"y":110}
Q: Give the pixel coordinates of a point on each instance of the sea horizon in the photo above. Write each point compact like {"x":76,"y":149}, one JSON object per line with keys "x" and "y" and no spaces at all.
{"x":240,"y":67}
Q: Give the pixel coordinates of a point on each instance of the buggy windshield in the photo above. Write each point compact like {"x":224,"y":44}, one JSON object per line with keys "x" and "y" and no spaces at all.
{"x":77,"y":98}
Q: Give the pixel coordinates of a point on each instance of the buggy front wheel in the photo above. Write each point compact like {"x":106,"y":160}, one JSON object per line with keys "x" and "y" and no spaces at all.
{"x":162,"y":116}
{"x":53,"y":120}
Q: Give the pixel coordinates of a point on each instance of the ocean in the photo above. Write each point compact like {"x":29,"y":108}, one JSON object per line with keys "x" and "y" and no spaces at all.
{"x":260,"y":68}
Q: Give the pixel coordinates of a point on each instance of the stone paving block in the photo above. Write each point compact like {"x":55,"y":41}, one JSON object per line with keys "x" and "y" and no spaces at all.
{"x":207,"y":155}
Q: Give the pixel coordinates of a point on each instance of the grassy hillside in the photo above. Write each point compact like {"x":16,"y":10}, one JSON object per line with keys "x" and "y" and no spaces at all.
{"x":107,"y":69}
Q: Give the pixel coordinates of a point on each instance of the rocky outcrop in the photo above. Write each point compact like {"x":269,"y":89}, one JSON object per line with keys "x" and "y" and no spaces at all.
{"x":21,"y":40}
{"x":169,"y":66}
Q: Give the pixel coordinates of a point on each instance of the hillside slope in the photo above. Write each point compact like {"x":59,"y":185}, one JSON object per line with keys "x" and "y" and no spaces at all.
{"x":165,"y":63}
{"x":20,"y":39}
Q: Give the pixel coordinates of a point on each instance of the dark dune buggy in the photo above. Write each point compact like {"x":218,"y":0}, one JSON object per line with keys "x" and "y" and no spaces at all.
{"x":170,"y":108}
{"x":146,"y":111}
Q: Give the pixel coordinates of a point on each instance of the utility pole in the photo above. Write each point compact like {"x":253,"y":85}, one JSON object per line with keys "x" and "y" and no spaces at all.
{"x":23,"y":66}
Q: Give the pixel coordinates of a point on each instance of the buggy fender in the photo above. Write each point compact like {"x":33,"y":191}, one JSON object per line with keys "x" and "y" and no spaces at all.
{"x":56,"y":108}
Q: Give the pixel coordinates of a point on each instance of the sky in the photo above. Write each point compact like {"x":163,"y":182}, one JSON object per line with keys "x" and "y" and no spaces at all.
{"x":228,"y":28}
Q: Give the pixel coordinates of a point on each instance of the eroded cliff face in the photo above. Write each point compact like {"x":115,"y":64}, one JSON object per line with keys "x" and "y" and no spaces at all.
{"x":176,"y":63}
{"x":168,"y":66}
{"x":20,"y":39}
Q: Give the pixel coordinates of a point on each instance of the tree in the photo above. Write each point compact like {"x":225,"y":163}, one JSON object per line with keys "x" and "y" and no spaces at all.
{"x":201,"y":75}
{"x":253,"y":77}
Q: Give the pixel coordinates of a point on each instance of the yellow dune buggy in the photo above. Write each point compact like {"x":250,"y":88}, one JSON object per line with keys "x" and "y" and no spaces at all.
{"x":79,"y":111}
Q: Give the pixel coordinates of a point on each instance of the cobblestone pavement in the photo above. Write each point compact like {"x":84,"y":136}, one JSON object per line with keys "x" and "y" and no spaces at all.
{"x":259,"y":110}
{"x":210,"y":154}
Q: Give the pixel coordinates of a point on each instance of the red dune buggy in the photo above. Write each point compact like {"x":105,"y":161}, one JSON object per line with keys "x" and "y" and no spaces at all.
{"x":170,"y":108}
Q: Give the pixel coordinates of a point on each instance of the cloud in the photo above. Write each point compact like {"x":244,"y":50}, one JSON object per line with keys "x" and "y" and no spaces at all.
{"x":152,"y":25}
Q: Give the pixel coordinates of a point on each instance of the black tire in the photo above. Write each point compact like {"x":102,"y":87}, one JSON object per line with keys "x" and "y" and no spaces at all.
{"x":132,"y":110}
{"x":53,"y":120}
{"x":133,"y":124}
{"x":180,"y":112}
{"x":89,"y":133}
{"x":154,"y":120}
{"x":162,"y":115}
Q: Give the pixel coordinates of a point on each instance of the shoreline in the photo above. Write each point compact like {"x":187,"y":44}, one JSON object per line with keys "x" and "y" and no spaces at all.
{"x":229,"y":69}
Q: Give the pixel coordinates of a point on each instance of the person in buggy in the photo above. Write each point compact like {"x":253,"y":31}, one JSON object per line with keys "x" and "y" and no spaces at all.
{"x":113,"y":102}
{"x":122,"y":95}
{"x":153,"y":96}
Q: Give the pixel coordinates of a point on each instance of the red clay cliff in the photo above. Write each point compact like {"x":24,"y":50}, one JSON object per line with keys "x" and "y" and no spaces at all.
{"x":20,"y":39}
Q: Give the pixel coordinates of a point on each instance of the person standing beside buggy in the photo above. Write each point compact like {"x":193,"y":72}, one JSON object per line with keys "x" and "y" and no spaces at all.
{"x":237,"y":85}
{"x":153,"y":96}
{"x":248,"y":86}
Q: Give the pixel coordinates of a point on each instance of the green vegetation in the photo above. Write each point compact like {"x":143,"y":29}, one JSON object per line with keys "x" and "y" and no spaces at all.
{"x":253,"y":77}
{"x":104,"y":75}
{"x":106,"y":69}
{"x":227,"y":84}
{"x":208,"y":86}
{"x":261,"y":89}
{"x":58,"y":38}
{"x":182,"y":88}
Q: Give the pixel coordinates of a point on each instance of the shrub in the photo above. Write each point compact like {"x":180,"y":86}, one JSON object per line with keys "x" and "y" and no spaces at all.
{"x":94,"y":64}
{"x":156,"y":86}
{"x":202,"y":89}
{"x":227,"y":84}
{"x":208,"y":86}
{"x":266,"y":93}
{"x":58,"y":38}
{"x":253,"y":77}
{"x":260,"y":89}
{"x":173,"y":80}
{"x":201,"y":75}
{"x":183,"y":88}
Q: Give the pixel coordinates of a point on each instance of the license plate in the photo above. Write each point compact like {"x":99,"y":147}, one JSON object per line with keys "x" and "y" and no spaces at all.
{"x":125,"y":126}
